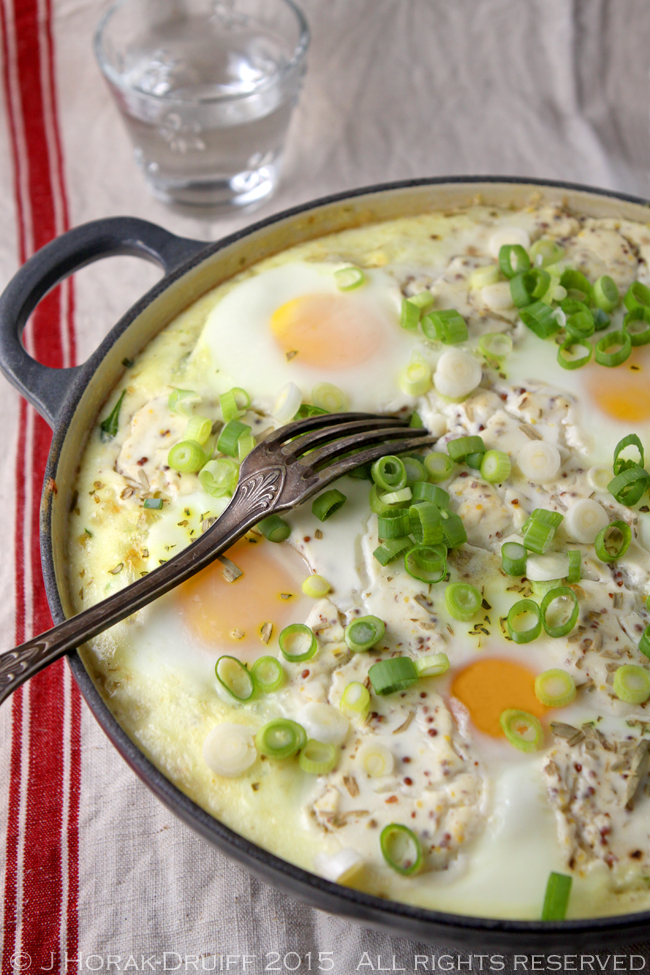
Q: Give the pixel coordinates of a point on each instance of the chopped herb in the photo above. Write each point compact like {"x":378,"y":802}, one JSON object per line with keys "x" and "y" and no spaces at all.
{"x":127,"y":363}
{"x":266,"y":630}
{"x":117,"y":569}
{"x":153,"y":503}
{"x":230,"y":570}
{"x":109,"y":426}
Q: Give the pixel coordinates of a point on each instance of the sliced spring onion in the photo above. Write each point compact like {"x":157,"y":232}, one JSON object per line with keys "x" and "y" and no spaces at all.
{"x":620,"y":463}
{"x":513,"y":558}
{"x":556,"y":897}
{"x":380,"y":507}
{"x":644,"y":642}
{"x":186,"y":457}
{"x":287,"y":404}
{"x":327,"y":396}
{"x":457,"y":374}
{"x":453,"y":529}
{"x":580,"y":326}
{"x":448,"y":326}
{"x":355,"y":698}
{"x":523,"y":730}
{"x":154,"y":504}
{"x":360,"y":473}
{"x":547,"y":568}
{"x":555,"y":688}
{"x":619,"y":339}
{"x":513,"y":259}
{"x":389,"y":550}
{"x":567,"y":356}
{"x":409,"y":315}
{"x":230,"y":434}
{"x":428,"y":563}
{"x":375,"y":759}
{"x":315,"y":586}
{"x":244,"y":445}
{"x":507,"y":234}
{"x":274,"y":528}
{"x":495,"y":345}
{"x":424,"y":521}
{"x":389,"y":473}
{"x":182,"y":400}
{"x":424,"y":491}
{"x":324,"y":723}
{"x":632,"y":684}
{"x":432,"y":664}
{"x":599,"y":477}
{"x":109,"y":426}
{"x":307,"y":409}
{"x":484,"y":275}
{"x":364,"y":632}
{"x":613,"y":541}
{"x":415,"y":378}
{"x":393,"y":524}
{"x":349,"y":278}
{"x":637,"y":325}
{"x":324,"y":506}
{"x":575,"y":559}
{"x":539,"y":461}
{"x":219,"y":477}
{"x":390,"y":676}
{"x":601,"y":319}
{"x":280,"y":738}
{"x":439,"y":466}
{"x":585,"y":519}
{"x":577,"y":285}
{"x":396,"y":497}
{"x":540,"y":589}
{"x":297,"y":643}
{"x":416,"y":421}
{"x":524,"y":621}
{"x":459,"y":448}
{"x":317,"y":758}
{"x":637,"y":296}
{"x":229,"y":749}
{"x":606,"y":294}
{"x":230,"y":408}
{"x":462,"y":600}
{"x":497,"y":296}
{"x":401,"y":849}
{"x":559,"y":611}
{"x":544,"y":252}
{"x":475,"y":459}
{"x":267,"y":674}
{"x":495,"y":467}
{"x":235,"y":678}
{"x":540,"y":319}
{"x":629,"y":486}
{"x":415,"y":470}
{"x":539,"y":530}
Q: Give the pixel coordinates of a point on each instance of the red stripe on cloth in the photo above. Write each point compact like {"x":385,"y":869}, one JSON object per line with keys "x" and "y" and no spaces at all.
{"x":40,"y":887}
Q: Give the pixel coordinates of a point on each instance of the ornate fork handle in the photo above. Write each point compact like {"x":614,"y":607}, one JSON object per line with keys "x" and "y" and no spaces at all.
{"x":255,"y":497}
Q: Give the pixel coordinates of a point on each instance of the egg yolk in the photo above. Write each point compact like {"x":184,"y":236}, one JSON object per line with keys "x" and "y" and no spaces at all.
{"x":228,"y":616}
{"x":327,"y":331}
{"x":490,"y":686}
{"x":624,"y":391}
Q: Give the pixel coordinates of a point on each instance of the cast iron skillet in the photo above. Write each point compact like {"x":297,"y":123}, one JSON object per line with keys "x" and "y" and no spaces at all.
{"x":69,"y":400}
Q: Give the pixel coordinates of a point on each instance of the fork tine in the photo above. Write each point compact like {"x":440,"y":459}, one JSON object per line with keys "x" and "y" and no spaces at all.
{"x":331,"y":472}
{"x":341,"y":434}
{"x":338,"y":448}
{"x":291,"y":430}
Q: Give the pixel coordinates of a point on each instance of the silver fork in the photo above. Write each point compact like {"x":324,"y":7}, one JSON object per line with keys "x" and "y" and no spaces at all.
{"x":287,"y":468}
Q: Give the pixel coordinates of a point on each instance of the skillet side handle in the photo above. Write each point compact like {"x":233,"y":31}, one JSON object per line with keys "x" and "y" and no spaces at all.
{"x":44,"y":387}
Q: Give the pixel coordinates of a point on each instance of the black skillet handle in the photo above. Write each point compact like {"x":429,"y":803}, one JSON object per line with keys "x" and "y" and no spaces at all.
{"x":44,"y":387}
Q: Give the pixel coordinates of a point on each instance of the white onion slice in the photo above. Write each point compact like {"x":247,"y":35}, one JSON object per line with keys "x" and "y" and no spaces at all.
{"x":458,"y":373}
{"x":507,"y":235}
{"x":329,"y":397}
{"x":584,"y":520}
{"x":539,"y":461}
{"x":229,"y":749}
{"x":599,"y":477}
{"x":324,"y":723}
{"x":497,"y":296}
{"x":287,"y":404}
{"x":375,"y":759}
{"x":544,"y":568}
{"x":338,"y":867}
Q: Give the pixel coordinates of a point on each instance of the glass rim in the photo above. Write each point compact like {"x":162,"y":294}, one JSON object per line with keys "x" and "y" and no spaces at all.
{"x":115,"y":79}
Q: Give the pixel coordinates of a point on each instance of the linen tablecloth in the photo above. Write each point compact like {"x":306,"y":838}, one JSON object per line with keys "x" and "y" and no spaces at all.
{"x":97,"y":876}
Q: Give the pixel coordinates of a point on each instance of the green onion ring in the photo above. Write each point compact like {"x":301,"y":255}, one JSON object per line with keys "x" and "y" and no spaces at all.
{"x":619,"y":337}
{"x":317,"y":758}
{"x":390,"y":676}
{"x":606,"y":294}
{"x":280,"y":738}
{"x":234,"y":677}
{"x":274,"y":528}
{"x":513,"y":558}
{"x":389,"y":473}
{"x":556,"y":897}
{"x":425,"y":491}
{"x":428,"y":563}
{"x":401,"y":849}
{"x":567,"y":347}
{"x":629,"y":486}
{"x":637,"y":296}
{"x":632,"y":440}
{"x":295,"y":636}
{"x":562,"y":629}
{"x":634,"y":317}
{"x":524,"y":607}
{"x":459,"y":448}
{"x":604,"y":536}
{"x":186,"y":457}
{"x":364,"y":632}
{"x":267,"y":674}
{"x":523,"y":730}
{"x":391,"y":548}
{"x":324,"y":506}
{"x":424,"y":523}
{"x":462,"y":600}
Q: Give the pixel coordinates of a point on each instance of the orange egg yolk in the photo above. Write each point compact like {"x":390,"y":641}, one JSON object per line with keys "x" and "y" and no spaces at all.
{"x":624,"y":391}
{"x":327,"y":331}
{"x":228,"y":616}
{"x":490,"y":686}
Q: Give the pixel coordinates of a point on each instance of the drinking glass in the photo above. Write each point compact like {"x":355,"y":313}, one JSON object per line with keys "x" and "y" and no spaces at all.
{"x":206,"y":89}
